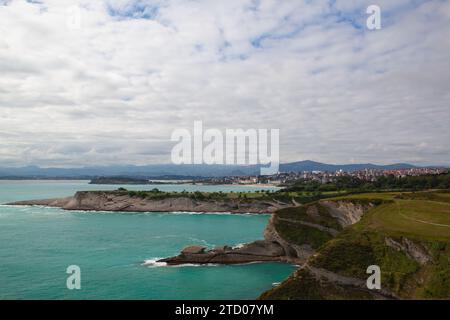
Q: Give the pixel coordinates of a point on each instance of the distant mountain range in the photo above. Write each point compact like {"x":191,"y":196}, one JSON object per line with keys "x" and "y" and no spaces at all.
{"x":171,"y":171}
{"x":308,"y":165}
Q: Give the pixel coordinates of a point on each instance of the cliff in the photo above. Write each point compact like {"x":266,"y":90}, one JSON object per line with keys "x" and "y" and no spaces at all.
{"x":408,"y":239}
{"x":258,"y":251}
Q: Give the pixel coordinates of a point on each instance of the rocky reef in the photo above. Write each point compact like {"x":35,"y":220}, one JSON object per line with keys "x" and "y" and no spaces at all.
{"x":256,"y":251}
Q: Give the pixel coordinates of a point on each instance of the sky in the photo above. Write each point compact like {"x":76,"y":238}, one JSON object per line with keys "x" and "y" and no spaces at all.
{"x":107,"y":82}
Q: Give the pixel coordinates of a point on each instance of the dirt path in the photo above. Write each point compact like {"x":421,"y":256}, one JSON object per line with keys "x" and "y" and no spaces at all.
{"x":331,"y":231}
{"x":421,"y":221}
{"x":348,"y":281}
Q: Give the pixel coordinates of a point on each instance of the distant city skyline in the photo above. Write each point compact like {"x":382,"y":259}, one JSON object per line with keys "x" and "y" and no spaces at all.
{"x":86,"y":83}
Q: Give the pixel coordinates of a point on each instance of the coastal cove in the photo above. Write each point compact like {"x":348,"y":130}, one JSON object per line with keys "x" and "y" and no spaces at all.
{"x":38,"y":243}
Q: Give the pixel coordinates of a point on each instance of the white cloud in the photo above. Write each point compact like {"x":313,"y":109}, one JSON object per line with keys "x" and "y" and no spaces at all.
{"x":113,"y":90}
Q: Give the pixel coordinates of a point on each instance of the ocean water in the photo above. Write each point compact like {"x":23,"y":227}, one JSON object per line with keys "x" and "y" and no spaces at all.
{"x":37,"y":244}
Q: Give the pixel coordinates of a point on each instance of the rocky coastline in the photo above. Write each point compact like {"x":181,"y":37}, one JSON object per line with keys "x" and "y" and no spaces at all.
{"x":124,"y":202}
{"x":274,"y":247}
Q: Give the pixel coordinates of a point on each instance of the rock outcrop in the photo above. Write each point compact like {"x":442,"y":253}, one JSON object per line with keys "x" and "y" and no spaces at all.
{"x":193,"y":250}
{"x":326,"y":275}
{"x":57,"y":203}
{"x":346,"y":212}
{"x":256,"y":251}
{"x":414,"y":251}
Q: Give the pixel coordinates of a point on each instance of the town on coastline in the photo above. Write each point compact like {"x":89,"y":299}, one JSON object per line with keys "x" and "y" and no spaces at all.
{"x":283,"y":179}
{"x":287,"y":178}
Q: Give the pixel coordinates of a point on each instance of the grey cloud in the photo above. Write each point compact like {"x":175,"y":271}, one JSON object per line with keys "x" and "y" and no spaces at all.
{"x":114,"y":90}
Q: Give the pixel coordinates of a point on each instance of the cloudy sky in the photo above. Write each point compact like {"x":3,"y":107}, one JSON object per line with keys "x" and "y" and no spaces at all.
{"x":107,"y":81}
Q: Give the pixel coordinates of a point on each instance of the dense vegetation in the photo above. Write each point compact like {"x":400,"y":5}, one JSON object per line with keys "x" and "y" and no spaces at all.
{"x":389,"y":182}
{"x":313,"y":213}
{"x":304,"y":286}
{"x":285,"y":197}
{"x":299,"y":234}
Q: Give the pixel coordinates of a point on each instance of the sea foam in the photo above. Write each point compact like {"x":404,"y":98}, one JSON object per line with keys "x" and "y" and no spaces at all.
{"x":154,"y":263}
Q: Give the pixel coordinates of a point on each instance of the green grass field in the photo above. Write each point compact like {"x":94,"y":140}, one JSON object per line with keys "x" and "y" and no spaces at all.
{"x":420,"y":215}
{"x":426,"y":220}
{"x":372,"y":195}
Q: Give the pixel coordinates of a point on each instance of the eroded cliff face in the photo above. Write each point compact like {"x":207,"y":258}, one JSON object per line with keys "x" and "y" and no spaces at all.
{"x":57,"y":203}
{"x":346,"y":212}
{"x":415,"y":251}
{"x":257,"y":251}
{"x":319,"y":280}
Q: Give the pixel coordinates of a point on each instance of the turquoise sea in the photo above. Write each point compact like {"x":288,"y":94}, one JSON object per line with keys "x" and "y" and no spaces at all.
{"x":37,"y":244}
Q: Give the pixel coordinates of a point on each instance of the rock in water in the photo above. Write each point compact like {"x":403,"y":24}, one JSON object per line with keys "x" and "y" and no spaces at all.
{"x":257,"y":251}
